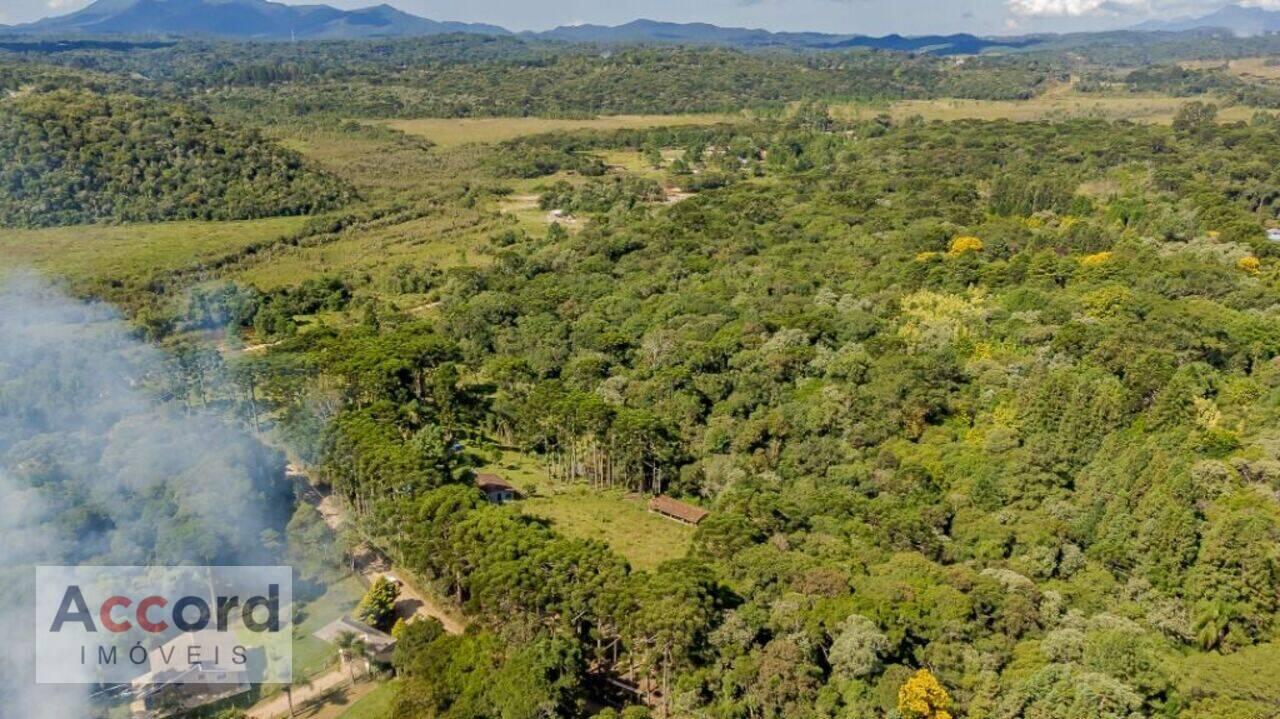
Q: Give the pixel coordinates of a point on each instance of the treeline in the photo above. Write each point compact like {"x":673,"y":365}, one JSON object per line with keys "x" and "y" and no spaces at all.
{"x":621,"y":192}
{"x":77,"y":156}
{"x":1184,"y":82}
{"x":551,"y":611}
{"x":464,"y":76}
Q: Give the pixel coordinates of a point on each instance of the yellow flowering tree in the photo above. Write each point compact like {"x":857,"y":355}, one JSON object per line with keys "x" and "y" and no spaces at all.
{"x":922,"y":697}
{"x":1100,"y":258}
{"x":1249,"y":264}
{"x":963,"y":244}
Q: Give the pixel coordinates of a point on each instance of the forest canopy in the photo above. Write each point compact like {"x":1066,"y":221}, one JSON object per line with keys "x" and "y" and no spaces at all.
{"x":76,"y":156}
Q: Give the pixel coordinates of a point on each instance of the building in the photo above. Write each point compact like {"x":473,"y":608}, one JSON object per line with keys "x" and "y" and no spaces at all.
{"x":175,"y":684}
{"x":677,"y":510}
{"x":496,"y":489}
{"x":380,"y":644}
{"x":1273,"y":234}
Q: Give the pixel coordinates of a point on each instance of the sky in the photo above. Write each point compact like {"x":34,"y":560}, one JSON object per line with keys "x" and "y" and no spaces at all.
{"x":872,"y":17}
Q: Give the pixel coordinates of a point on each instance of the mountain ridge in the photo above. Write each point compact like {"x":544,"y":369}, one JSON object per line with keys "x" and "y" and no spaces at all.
{"x":244,"y":19}
{"x":1243,"y":21}
{"x":266,"y":20}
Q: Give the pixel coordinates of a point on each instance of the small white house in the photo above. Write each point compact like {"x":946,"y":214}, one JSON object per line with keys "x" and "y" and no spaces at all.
{"x":1273,"y":234}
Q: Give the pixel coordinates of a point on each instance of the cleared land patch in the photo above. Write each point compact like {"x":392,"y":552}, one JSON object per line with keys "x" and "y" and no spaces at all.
{"x":618,"y":519}
{"x":1265,"y":68}
{"x":460,"y":131}
{"x":133,"y":253}
{"x":1158,"y":109}
{"x":445,"y":239}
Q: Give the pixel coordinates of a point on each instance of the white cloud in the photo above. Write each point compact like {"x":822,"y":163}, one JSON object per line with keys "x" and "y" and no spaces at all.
{"x":1104,"y":8}
{"x":1075,"y":8}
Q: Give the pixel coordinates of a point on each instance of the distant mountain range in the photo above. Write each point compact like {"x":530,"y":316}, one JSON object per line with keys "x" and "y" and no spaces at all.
{"x":639,"y":31}
{"x":265,"y":20}
{"x":243,"y":19}
{"x":1240,"y":20}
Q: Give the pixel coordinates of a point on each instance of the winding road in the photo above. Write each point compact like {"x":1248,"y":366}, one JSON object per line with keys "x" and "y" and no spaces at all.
{"x":371,"y":565}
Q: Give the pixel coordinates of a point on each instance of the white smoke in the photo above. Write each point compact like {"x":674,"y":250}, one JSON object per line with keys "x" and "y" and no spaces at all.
{"x":95,"y":470}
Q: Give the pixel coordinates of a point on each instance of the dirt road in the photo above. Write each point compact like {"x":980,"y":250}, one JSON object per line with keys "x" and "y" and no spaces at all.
{"x":371,"y":565}
{"x":278,"y":706}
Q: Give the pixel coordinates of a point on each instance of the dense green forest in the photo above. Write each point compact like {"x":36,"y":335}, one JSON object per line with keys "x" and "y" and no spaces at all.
{"x":459,"y":76}
{"x":75,"y":156}
{"x":984,"y":412}
{"x":990,"y":399}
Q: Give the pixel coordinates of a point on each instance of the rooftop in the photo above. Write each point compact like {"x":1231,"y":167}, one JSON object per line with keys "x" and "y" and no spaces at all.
{"x":674,"y":508}
{"x":493,"y":483}
{"x":375,"y":639}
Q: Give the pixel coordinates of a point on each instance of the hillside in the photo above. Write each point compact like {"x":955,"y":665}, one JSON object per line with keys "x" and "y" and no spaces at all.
{"x":71,"y":157}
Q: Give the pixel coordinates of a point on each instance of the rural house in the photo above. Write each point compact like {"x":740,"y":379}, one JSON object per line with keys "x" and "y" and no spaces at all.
{"x":496,"y":489}
{"x":175,"y":685}
{"x":380,"y":644}
{"x":677,"y":510}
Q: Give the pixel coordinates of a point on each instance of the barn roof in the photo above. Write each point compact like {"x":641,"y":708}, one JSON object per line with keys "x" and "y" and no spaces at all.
{"x":676,"y":509}
{"x":493,"y":483}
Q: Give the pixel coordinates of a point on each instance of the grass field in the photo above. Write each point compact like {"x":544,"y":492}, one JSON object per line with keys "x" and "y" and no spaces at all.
{"x":1256,"y":67}
{"x":618,"y":519}
{"x":1253,"y":67}
{"x":1054,"y":106}
{"x":383,"y":167}
{"x":374,"y":705}
{"x":132,"y":253}
{"x":460,"y":131}
{"x":446,"y":239}
{"x":310,"y":655}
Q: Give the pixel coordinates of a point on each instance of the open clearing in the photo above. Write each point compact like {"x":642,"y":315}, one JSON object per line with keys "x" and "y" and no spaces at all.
{"x":460,"y":131}
{"x":443,"y":239}
{"x":312,"y":656}
{"x":614,"y":517}
{"x":376,"y":704}
{"x":1265,"y":68}
{"x":133,"y":253}
{"x":1158,"y":109}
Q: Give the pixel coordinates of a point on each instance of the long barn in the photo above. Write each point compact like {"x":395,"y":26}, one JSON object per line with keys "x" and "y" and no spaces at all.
{"x":677,"y":510}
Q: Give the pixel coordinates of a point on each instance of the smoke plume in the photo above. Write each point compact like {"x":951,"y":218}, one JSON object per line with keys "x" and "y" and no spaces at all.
{"x":95,"y":470}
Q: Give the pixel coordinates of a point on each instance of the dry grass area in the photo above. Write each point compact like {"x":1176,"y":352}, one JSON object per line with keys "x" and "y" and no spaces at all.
{"x":451,"y":132}
{"x":1257,"y":67}
{"x":132,"y":253}
{"x":388,"y":167}
{"x":1061,"y":106}
{"x":1254,"y":67}
{"x":449,"y":238}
